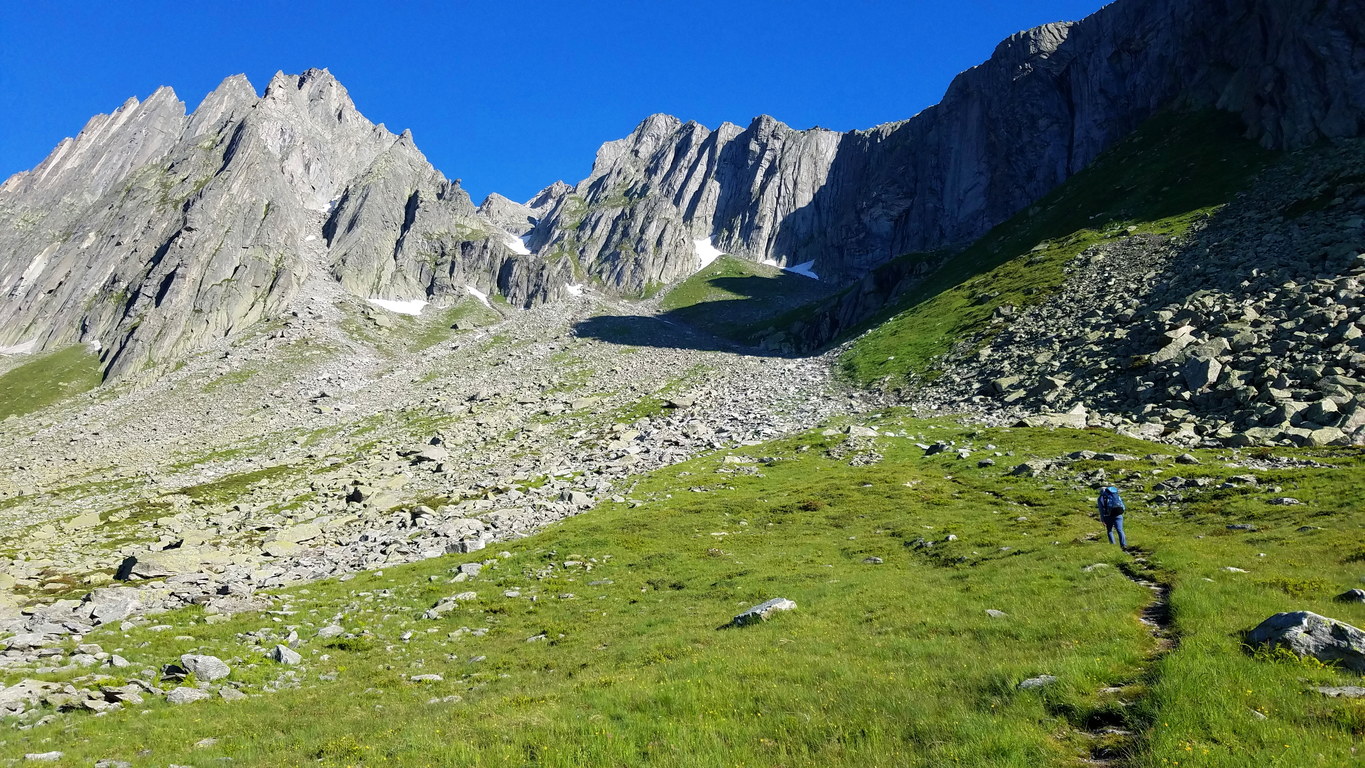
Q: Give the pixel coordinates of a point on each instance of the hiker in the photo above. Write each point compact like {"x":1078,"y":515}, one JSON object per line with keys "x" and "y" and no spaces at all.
{"x":1111,"y":514}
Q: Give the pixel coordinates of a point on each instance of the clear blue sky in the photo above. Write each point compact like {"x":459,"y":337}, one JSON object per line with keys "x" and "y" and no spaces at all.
{"x":507,"y":95}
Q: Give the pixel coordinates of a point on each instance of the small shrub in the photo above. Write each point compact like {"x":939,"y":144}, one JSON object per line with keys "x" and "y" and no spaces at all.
{"x":1297,"y":587}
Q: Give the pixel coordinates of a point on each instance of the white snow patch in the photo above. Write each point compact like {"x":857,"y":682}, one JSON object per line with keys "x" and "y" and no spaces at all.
{"x":480,"y":295}
{"x":310,"y":238}
{"x":706,"y":252}
{"x":574,"y":289}
{"x":19,"y":349}
{"x":413,"y":307}
{"x":518,"y":245}
{"x":804,"y":269}
{"x":94,"y":347}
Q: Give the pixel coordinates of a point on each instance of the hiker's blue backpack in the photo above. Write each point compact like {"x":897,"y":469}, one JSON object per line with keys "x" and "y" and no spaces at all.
{"x":1110,"y":501}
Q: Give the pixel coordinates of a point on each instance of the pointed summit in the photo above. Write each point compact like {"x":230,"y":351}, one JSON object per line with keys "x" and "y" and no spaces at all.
{"x":232,"y":96}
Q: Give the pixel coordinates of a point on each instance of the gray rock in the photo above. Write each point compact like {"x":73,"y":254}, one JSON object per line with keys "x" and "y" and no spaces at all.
{"x":1040,"y":681}
{"x":763,"y":611}
{"x":184,"y":695}
{"x":205,"y":669}
{"x":1201,"y":373}
{"x":1342,"y":691}
{"x":283,"y":654}
{"x":1352,"y":596}
{"x":1308,"y":634}
{"x":44,"y":757}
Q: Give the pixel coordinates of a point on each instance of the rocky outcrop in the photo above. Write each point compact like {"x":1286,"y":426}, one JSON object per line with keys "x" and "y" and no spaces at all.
{"x":1045,"y":104}
{"x":1246,"y":331}
{"x":154,"y":232}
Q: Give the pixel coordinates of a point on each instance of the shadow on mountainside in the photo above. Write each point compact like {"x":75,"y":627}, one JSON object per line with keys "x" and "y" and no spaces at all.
{"x":723,"y":308}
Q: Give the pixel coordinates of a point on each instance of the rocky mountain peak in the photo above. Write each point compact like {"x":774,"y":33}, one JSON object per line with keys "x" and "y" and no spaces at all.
{"x":152,"y":234}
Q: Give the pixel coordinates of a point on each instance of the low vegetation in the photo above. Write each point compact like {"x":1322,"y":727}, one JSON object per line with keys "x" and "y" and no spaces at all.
{"x":598,"y":641}
{"x":48,"y":379}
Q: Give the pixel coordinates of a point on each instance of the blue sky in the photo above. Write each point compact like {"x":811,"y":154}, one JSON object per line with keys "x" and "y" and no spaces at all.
{"x":506,"y":95}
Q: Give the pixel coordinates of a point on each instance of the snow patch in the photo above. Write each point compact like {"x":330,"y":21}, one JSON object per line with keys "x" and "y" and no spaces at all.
{"x":480,"y":295}
{"x":19,"y":349}
{"x":518,"y":245}
{"x":706,"y":252}
{"x":574,"y":289}
{"x":804,"y":269}
{"x":310,"y":238}
{"x":413,"y":307}
{"x":94,"y":347}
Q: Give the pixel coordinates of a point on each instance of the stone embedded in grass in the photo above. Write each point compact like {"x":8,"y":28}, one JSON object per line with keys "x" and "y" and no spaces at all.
{"x":447,"y":604}
{"x":183,"y":695}
{"x":1308,"y":634}
{"x":1342,"y":691}
{"x":1352,"y":596}
{"x":1040,"y":681}
{"x":44,"y":757}
{"x":426,"y":678}
{"x":994,"y":614}
{"x":285,"y":655}
{"x":205,"y":669}
{"x":763,"y":611}
{"x":1032,"y":468}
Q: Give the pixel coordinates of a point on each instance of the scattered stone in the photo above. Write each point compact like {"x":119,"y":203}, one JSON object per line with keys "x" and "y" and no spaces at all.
{"x":1342,"y":691}
{"x":205,"y":669}
{"x":44,"y":757}
{"x":1352,"y":596}
{"x":873,"y":560}
{"x":183,"y":695}
{"x":762,"y":611}
{"x":426,"y":678}
{"x":1037,"y":682}
{"x":1309,"y":634}
{"x":285,"y":655}
{"x":994,"y":614}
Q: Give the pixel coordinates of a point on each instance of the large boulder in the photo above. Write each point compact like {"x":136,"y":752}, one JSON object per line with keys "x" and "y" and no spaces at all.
{"x":1308,"y":634}
{"x":205,"y":669}
{"x":152,"y":565}
{"x":113,"y":604}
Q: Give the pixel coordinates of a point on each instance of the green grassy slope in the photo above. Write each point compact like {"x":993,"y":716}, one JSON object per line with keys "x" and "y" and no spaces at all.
{"x":602,"y":644}
{"x":1172,"y":171}
{"x":738,"y":299}
{"x":48,"y":379}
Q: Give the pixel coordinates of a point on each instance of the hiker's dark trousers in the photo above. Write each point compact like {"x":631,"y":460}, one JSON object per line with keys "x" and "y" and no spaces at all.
{"x":1112,"y":524}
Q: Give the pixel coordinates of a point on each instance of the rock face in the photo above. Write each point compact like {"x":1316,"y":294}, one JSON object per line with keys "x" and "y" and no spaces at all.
{"x":154,"y":232}
{"x":1045,"y":104}
{"x":1308,"y":634}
